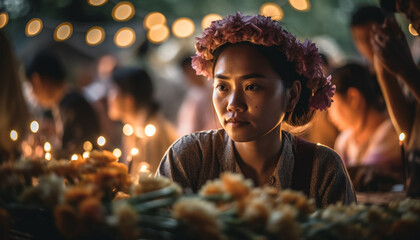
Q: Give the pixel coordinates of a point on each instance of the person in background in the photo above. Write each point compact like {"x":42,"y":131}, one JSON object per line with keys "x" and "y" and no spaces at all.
{"x":13,"y":109}
{"x":394,"y":64}
{"x":367,"y":138}
{"x":263,"y":77}
{"x":361,"y":24}
{"x":132,"y":102}
{"x":196,"y":112}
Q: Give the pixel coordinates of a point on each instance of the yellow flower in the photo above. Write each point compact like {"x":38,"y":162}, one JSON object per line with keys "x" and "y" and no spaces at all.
{"x":282,"y":222}
{"x":236,"y":185}
{"x":126,"y":219}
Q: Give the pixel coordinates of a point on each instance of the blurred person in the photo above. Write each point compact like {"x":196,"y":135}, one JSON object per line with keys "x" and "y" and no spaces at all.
{"x":394,"y":64}
{"x":196,"y":112}
{"x":361,"y":24}
{"x":13,"y":109}
{"x":131,"y":101}
{"x":410,"y":9}
{"x":367,"y":137}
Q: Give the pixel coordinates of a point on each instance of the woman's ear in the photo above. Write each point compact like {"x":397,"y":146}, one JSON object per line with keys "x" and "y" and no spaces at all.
{"x":293,"y":95}
{"x":353,"y":97}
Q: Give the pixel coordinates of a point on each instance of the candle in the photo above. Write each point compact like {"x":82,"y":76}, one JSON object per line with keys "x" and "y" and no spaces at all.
{"x":403,"y":163}
{"x":144,"y":170}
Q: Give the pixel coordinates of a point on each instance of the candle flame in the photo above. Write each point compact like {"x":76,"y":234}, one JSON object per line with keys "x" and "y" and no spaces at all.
{"x":144,"y":167}
{"x":402,"y":136}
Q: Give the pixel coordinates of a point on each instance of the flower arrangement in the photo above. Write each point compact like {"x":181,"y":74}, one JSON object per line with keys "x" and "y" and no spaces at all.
{"x":93,"y":198}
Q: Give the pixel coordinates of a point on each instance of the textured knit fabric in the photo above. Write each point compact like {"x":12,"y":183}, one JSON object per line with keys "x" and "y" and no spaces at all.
{"x":202,"y":156}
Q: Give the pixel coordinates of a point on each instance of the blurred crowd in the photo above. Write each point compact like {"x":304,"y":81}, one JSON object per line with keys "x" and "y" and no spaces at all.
{"x":376,"y":100}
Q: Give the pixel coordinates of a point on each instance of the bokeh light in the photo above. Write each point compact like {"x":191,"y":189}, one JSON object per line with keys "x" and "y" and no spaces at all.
{"x":300,"y":5}
{"x":412,"y":30}
{"x":87,"y":146}
{"x":14,"y":135}
{"x":153,"y":19}
{"x":144,"y":167}
{"x":4,"y":18}
{"x":63,"y":31}
{"x":150,"y":130}
{"x":158,"y":33}
{"x":183,"y":27}
{"x":272,"y":10}
{"x":402,"y":137}
{"x":134,"y":151}
{"x":86,"y":155}
{"x":47,"y":147}
{"x":48,"y":156}
{"x":117,"y":153}
{"x":123,"y":11}
{"x":97,"y":2}
{"x":205,"y":23}
{"x":34,"y":126}
{"x":101,"y":141}
{"x":74,"y":157}
{"x":125,"y":37}
{"x":33,"y":27}
{"x":95,"y":36}
{"x":128,"y":130}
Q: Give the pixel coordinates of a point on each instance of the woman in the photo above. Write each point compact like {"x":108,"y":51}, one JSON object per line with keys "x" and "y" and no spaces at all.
{"x":263,"y":77}
{"x":131,"y":101}
{"x":367,"y":139}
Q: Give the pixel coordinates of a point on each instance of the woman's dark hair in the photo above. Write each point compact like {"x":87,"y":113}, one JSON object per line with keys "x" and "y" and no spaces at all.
{"x":301,"y":115}
{"x":48,"y":66}
{"x":367,"y":14}
{"x":80,"y":123}
{"x":359,"y":77}
{"x":137,"y":83}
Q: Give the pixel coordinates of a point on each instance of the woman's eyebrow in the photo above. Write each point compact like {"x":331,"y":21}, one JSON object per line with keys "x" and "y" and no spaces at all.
{"x":252,"y":75}
{"x":221,"y":76}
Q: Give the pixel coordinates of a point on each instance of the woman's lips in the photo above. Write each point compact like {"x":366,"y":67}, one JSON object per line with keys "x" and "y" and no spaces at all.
{"x":235,"y":122}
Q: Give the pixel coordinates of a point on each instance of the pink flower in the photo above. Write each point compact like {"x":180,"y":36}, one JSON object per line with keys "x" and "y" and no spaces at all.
{"x":322,"y":98}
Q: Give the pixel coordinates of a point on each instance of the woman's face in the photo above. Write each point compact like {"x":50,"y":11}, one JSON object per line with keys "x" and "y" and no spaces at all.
{"x":248,"y":95}
{"x":341,"y":114}
{"x":119,"y":105}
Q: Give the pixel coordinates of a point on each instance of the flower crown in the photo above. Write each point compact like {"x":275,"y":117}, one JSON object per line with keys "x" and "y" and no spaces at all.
{"x":262,"y":30}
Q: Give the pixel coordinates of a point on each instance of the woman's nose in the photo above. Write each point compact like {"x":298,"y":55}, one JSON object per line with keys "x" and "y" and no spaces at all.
{"x":236,"y":102}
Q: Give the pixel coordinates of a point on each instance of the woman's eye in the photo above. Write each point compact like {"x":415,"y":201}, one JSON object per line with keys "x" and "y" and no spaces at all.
{"x":251,"y":87}
{"x":221,"y":87}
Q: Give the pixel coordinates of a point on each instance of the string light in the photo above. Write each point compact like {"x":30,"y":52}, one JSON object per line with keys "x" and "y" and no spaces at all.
{"x":4,"y":18}
{"x":95,"y":36}
{"x":101,"y":141}
{"x":124,"y":37}
{"x":183,"y":27}
{"x":134,"y":151}
{"x":300,"y":5}
{"x":158,"y":33}
{"x":117,"y":153}
{"x":123,"y":11}
{"x":33,"y":27}
{"x":63,"y":31}
{"x":14,"y":135}
{"x":47,"y":147}
{"x":34,"y":126}
{"x":150,"y":130}
{"x":96,"y":3}
{"x":154,"y":19}
{"x":128,"y":130}
{"x":410,"y":29}
{"x":205,"y":23}
{"x":87,"y":146}
{"x":272,"y":10}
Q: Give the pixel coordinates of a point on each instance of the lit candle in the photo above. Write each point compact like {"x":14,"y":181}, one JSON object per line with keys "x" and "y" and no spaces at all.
{"x":404,"y":168}
{"x":144,"y":170}
{"x":14,"y":135}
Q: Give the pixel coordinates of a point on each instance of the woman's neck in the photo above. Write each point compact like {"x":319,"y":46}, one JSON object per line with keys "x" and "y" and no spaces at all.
{"x":260,"y":156}
{"x":370,"y":123}
{"x":137,"y":119}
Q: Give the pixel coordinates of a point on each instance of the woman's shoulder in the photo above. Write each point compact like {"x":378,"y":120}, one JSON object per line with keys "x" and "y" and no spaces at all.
{"x":202,"y":138}
{"x":327,"y":156}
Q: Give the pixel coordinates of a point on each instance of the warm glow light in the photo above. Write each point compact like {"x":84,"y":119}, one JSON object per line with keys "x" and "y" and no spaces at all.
{"x":86,"y":155}
{"x":101,"y":141}
{"x":128,"y":130}
{"x":183,"y":27}
{"x":205,"y":23}
{"x":33,"y":27}
{"x":117,"y":153}
{"x":272,"y":10}
{"x":123,"y":11}
{"x":74,"y":157}
{"x":63,"y":31}
{"x":47,"y":147}
{"x":410,"y":29}
{"x":158,"y":33}
{"x":124,"y":37}
{"x":48,"y":156}
{"x":13,"y":135}
{"x":134,"y":151}
{"x":402,"y":137}
{"x":300,"y":5}
{"x":97,"y":2}
{"x":87,"y":146}
{"x":4,"y":18}
{"x":150,"y":130}
{"x":144,"y":167}
{"x":34,"y":126}
{"x":153,"y":19}
{"x":95,"y":36}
